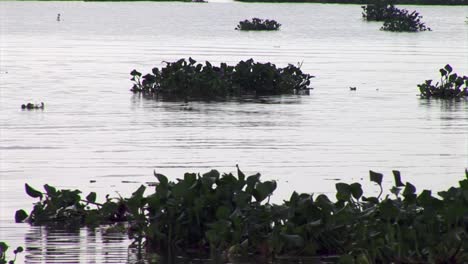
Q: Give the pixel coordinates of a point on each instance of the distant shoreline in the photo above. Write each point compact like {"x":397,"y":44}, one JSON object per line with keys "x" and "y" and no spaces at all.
{"x":354,"y":2}
{"x":363,"y":2}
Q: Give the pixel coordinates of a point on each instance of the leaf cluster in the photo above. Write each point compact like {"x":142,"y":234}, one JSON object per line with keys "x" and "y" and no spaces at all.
{"x":191,"y":80}
{"x":258,"y":24}
{"x":3,"y":249}
{"x":220,"y":216}
{"x":66,"y":207}
{"x":395,"y":19}
{"x":451,"y":85}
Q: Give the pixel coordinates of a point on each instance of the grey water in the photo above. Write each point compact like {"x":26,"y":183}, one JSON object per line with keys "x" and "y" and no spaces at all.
{"x":95,"y":135}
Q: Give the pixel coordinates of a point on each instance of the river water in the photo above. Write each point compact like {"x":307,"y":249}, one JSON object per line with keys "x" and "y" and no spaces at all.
{"x":95,"y":135}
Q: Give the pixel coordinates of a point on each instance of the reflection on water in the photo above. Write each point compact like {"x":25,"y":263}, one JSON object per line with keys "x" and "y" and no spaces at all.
{"x":74,"y":245}
{"x":96,"y":136}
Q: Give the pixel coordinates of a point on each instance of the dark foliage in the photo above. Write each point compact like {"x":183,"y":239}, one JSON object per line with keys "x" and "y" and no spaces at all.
{"x":379,"y":10}
{"x":451,"y":85}
{"x":190,"y":80}
{"x":258,"y":24}
{"x":402,"y":20}
{"x":220,"y":216}
{"x":3,"y":249}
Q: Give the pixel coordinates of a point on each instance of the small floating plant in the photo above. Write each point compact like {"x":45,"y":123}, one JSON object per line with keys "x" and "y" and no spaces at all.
{"x":31,"y":106}
{"x":258,"y":24}
{"x":3,"y":249}
{"x":191,"y":80}
{"x":451,"y":85}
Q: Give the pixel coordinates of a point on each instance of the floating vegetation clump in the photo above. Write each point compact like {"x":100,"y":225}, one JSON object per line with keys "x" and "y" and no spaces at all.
{"x":395,"y":19}
{"x":403,"y":20}
{"x":378,"y":10}
{"x":191,"y":80}
{"x":258,"y":24}
{"x":3,"y":249}
{"x":451,"y":85}
{"x":223,"y":216}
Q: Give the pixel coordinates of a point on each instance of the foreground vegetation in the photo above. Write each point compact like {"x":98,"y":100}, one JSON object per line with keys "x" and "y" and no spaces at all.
{"x":3,"y":250}
{"x":191,"y":80}
{"x":451,"y":85}
{"x":258,"y":24}
{"x":360,"y":2}
{"x":225,"y":216}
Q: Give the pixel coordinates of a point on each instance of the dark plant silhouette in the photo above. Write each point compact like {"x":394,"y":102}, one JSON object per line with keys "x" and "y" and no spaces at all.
{"x":190,"y":80}
{"x":258,"y":24}
{"x":451,"y":85}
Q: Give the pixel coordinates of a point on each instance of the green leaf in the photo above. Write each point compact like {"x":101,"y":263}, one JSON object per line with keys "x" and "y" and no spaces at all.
{"x":139,"y":192}
{"x":51,"y":191}
{"x":397,"y":177}
{"x":376,"y":177}
{"x":263,"y":190}
{"x":20,"y":216}
{"x":161,"y":178}
{"x":91,"y":197}
{"x":135,"y":73}
{"x":409,"y":189}
{"x":343,"y":191}
{"x":443,"y":72}
{"x":448,"y":68}
{"x":32,"y":192}
{"x":356,"y":190}
{"x":3,"y":247}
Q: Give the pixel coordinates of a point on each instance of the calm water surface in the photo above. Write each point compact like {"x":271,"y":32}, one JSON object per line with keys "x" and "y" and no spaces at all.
{"x":94,"y":129}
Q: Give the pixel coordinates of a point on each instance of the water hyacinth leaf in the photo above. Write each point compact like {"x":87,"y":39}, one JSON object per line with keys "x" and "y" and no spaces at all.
{"x":51,"y":191}
{"x":443,"y":72}
{"x":32,"y":192}
{"x":376,"y":177}
{"x":139,"y":192}
{"x":91,"y":197}
{"x":20,"y":216}
{"x":397,"y":177}
{"x":409,"y":189}
{"x":3,"y":247}
{"x":241,"y":175}
{"x":453,"y":77}
{"x":263,"y":190}
{"x":135,"y":73}
{"x":161,"y":178}
{"x":448,"y":68}
{"x":192,"y":61}
{"x":356,"y":190}
{"x":395,"y":190}
{"x":343,"y":191}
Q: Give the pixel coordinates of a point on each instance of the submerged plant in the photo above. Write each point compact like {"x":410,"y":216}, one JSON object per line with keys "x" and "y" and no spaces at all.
{"x":191,"y":80}
{"x":451,"y":85}
{"x":258,"y":24}
{"x":3,"y":249}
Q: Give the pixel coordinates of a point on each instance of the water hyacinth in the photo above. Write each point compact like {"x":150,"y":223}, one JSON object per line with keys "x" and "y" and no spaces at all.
{"x":258,"y":24}
{"x":191,"y":80}
{"x":378,"y":10}
{"x":221,"y":216}
{"x":403,"y":20}
{"x":451,"y":85}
